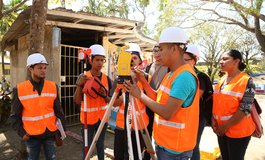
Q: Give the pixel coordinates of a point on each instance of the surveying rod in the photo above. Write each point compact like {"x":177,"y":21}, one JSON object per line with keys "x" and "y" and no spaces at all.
{"x":123,"y":71}
{"x":83,"y":55}
{"x":104,"y":119}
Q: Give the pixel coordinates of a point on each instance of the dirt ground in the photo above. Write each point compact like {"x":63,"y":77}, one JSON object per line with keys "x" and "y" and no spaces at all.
{"x":72,"y":148}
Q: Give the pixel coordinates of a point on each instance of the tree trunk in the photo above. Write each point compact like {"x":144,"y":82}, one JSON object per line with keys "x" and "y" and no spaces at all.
{"x":37,"y":25}
{"x":259,"y":35}
{"x":3,"y":62}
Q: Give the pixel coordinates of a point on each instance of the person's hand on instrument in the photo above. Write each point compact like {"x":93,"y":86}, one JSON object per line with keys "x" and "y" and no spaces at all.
{"x":133,"y":89}
{"x":139,"y":73}
{"x":81,"y":80}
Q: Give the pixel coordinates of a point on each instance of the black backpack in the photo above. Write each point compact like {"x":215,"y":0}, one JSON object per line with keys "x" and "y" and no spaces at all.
{"x":206,"y":101}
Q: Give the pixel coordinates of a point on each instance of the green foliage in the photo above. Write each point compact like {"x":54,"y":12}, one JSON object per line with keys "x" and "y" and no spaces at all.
{"x":8,"y":19}
{"x":167,"y":17}
{"x":108,"y":8}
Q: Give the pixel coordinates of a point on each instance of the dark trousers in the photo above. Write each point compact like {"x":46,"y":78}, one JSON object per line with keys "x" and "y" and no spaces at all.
{"x":233,"y":148}
{"x":121,"y":145}
{"x":91,"y":132}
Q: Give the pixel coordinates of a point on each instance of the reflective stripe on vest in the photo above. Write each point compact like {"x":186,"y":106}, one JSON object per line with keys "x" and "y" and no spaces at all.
{"x":137,"y":112}
{"x":179,"y":133}
{"x":94,"y":109}
{"x":37,"y":95}
{"x":38,"y":110}
{"x":169,"y":124}
{"x":37,"y":117}
{"x":140,"y":109}
{"x":224,"y":118}
{"x":226,"y":102}
{"x":231,"y":93}
{"x":164,"y":89}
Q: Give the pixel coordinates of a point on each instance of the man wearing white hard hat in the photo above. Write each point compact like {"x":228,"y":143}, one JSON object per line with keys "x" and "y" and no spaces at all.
{"x":191,"y":56}
{"x":177,"y":99}
{"x":35,"y":108}
{"x":96,"y":105}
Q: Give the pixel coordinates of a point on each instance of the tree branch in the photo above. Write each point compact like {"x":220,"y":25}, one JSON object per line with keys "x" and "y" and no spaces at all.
{"x":15,"y":8}
{"x":242,"y":16}
{"x":250,"y":11}
{"x":1,"y":8}
{"x":232,"y":21}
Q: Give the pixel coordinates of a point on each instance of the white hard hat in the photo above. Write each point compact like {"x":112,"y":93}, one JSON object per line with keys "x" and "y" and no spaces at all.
{"x":97,"y":50}
{"x":134,"y":47}
{"x":173,"y":35}
{"x":36,"y":58}
{"x":193,"y":50}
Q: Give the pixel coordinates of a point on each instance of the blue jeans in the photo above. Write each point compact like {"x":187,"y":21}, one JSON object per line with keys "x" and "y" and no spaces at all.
{"x":196,"y":150}
{"x":91,"y":132}
{"x":34,"y":146}
{"x":162,"y":154}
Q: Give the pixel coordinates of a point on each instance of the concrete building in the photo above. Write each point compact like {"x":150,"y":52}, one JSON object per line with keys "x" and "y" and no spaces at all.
{"x":66,"y":32}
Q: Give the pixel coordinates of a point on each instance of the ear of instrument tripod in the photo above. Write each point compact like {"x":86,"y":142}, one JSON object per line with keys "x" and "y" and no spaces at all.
{"x":124,"y":65}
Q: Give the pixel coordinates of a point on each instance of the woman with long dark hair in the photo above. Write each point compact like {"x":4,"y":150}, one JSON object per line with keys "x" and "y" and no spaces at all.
{"x":232,"y":101}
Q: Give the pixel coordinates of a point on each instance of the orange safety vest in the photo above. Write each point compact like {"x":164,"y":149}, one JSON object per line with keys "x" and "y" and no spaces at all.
{"x":178,"y":134}
{"x":226,"y":103}
{"x":140,"y":109}
{"x":96,"y":107}
{"x":38,"y":113}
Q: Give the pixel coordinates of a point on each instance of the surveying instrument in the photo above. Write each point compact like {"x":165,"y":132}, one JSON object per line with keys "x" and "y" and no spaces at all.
{"x":124,"y":70}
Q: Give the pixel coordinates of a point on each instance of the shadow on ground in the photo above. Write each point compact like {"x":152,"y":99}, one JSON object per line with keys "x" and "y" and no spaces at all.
{"x":71,"y":150}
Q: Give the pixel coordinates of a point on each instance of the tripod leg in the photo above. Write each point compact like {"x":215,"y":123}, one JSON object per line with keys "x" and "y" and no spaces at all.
{"x":136,"y":130}
{"x":146,"y":136}
{"x":106,"y":115}
{"x":127,"y":127}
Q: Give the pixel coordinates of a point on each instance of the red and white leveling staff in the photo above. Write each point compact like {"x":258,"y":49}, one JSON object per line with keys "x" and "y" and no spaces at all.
{"x":83,"y":56}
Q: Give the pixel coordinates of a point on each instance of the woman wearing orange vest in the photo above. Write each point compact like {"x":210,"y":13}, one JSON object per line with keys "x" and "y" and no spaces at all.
{"x":177,"y":100}
{"x":120,"y":141}
{"x":35,"y":107}
{"x":96,"y":106}
{"x":232,"y":101}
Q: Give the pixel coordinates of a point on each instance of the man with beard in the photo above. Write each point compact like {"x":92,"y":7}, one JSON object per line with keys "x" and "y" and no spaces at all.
{"x":35,"y":108}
